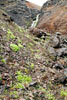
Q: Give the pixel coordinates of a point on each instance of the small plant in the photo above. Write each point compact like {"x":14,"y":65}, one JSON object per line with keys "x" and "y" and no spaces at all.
{"x":14,"y":47}
{"x":32,"y":66}
{"x":14,"y":94}
{"x":47,"y":93}
{"x":23,"y":78}
{"x":26,"y":70}
{"x":63,"y":93}
{"x":3,"y":61}
{"x":51,"y":97}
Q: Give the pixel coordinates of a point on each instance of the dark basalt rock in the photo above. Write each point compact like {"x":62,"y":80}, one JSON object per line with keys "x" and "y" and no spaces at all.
{"x":19,"y":11}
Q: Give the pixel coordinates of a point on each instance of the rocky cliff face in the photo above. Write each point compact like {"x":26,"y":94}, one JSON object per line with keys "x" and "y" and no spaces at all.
{"x":53,"y":17}
{"x":21,"y":11}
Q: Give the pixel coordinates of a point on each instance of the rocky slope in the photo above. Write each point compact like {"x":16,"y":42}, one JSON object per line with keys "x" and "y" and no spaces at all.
{"x":21,"y":11}
{"x":53,"y":17}
{"x":31,"y":68}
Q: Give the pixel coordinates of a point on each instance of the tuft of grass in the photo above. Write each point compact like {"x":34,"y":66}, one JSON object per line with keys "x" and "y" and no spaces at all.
{"x":14,"y":47}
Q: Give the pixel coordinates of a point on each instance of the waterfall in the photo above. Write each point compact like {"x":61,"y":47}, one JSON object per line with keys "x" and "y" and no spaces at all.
{"x":33,"y":25}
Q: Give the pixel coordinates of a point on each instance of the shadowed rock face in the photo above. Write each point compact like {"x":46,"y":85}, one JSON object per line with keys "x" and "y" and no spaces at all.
{"x":23,"y":12}
{"x":53,"y":17}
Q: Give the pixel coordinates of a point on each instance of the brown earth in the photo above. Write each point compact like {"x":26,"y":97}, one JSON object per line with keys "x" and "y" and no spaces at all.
{"x":54,"y":17}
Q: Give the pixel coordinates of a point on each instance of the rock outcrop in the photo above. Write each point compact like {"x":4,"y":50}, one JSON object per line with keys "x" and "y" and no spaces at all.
{"x":53,"y":17}
{"x":23,"y":12}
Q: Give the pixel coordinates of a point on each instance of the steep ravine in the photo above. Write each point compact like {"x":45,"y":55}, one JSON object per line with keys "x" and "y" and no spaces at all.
{"x":32,"y":67}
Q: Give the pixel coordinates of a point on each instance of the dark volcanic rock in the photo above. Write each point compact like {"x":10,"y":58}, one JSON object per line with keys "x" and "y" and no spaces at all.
{"x":62,"y":52}
{"x":21,"y":11}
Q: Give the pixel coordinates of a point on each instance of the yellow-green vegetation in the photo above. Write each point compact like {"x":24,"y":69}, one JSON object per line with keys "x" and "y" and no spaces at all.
{"x":3,"y":61}
{"x":14,"y":94}
{"x":19,"y":40}
{"x":14,"y":47}
{"x":0,"y":78}
{"x":19,"y":86}
{"x":37,"y":56}
{"x":23,"y":78}
{"x":50,"y":97}
{"x":20,"y":46}
{"x":30,"y":44}
{"x":47,"y":93}
{"x":28,"y":36}
{"x":63,"y":93}
{"x":10,"y":34}
{"x":26,"y":70}
{"x":32,"y":66}
{"x":19,"y":29}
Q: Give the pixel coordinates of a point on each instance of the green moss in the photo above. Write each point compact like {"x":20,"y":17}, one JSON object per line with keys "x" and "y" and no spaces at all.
{"x":63,"y":93}
{"x":14,"y":47}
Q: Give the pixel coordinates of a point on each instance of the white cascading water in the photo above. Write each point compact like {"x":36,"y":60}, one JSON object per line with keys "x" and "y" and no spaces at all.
{"x":33,"y":25}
